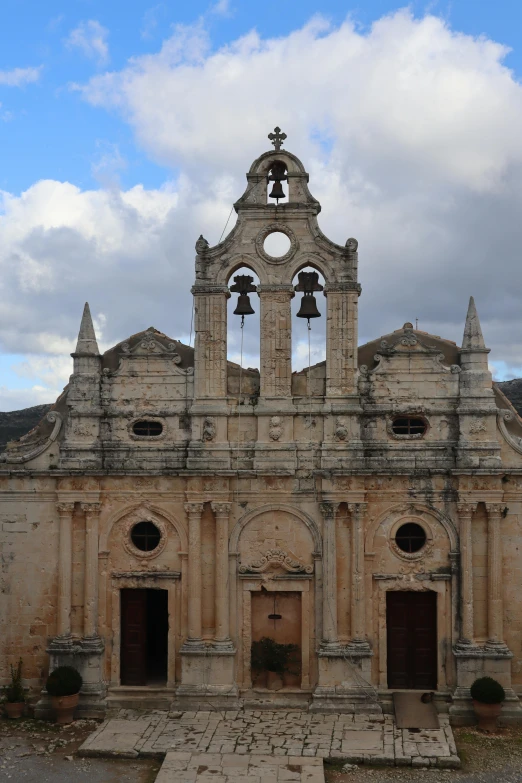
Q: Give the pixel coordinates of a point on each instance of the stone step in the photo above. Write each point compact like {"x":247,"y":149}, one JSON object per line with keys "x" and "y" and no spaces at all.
{"x":139,"y":697}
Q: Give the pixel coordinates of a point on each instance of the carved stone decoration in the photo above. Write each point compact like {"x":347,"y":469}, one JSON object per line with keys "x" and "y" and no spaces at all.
{"x":14,"y":451}
{"x":209,"y":429}
{"x":282,"y":228}
{"x":514,"y":441}
{"x":201,"y":245}
{"x":275,"y":430}
{"x":425,"y":550}
{"x":352,"y":244}
{"x":341,"y":430}
{"x":279,"y":557}
{"x":476,"y":426}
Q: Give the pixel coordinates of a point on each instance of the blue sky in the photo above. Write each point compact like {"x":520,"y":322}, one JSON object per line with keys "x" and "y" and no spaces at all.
{"x":120,"y":145}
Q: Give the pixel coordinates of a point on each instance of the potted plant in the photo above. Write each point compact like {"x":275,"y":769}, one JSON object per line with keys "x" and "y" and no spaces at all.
{"x":14,"y":693}
{"x":487,"y":695}
{"x":273,"y":658}
{"x":63,"y":686}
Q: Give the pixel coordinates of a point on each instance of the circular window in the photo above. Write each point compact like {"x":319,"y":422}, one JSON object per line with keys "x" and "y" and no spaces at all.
{"x":277,"y":244}
{"x":145,"y":536}
{"x":410,"y":537}
{"x":147,"y":429}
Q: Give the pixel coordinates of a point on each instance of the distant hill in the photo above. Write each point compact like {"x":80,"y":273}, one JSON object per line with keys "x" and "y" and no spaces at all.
{"x":513,"y":391}
{"x":17,"y":423}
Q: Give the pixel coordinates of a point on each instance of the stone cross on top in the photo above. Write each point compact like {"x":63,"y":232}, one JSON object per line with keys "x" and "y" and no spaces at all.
{"x":277,"y":138}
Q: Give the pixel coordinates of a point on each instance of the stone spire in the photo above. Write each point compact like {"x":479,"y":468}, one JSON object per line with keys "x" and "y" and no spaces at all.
{"x":87,"y":345}
{"x":473,"y":339}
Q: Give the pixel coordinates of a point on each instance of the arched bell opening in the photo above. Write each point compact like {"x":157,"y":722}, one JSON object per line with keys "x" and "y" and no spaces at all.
{"x":278,"y":183}
{"x":243,"y":309}
{"x":308,"y":332}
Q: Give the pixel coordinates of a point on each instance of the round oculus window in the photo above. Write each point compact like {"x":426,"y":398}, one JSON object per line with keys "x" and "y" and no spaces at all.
{"x":147,"y":428}
{"x":145,"y":536}
{"x":410,"y":537}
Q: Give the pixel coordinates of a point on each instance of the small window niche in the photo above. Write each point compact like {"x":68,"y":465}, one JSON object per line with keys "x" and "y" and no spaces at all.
{"x":408,"y":427}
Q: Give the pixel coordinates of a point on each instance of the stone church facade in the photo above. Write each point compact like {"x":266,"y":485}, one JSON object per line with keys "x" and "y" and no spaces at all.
{"x":172,"y":508}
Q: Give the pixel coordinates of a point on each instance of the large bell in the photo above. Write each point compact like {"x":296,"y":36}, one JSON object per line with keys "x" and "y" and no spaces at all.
{"x":243,"y":285}
{"x":308,"y":283}
{"x":277,"y":190}
{"x":243,"y":306}
{"x":308,"y":307}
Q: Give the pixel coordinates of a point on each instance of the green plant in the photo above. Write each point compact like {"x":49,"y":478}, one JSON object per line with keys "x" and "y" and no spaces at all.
{"x":64,"y":681}
{"x":487,"y":691}
{"x":14,"y":693}
{"x":269,"y":655}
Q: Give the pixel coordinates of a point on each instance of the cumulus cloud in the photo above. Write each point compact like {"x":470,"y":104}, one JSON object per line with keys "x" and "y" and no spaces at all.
{"x":19,"y":77}
{"x":90,"y":38}
{"x":410,"y":132}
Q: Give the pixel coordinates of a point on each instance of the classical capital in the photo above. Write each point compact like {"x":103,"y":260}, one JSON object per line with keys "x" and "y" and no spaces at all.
{"x":90,"y":509}
{"x":221,"y":509}
{"x":494,"y":509}
{"x":327,"y":510}
{"x":194,"y":509}
{"x":65,"y":509}
{"x":466,"y":509}
{"x":357,"y":509}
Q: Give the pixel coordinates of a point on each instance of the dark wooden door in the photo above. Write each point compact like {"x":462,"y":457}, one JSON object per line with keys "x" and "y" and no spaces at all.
{"x":133,"y":637}
{"x":411,"y":620}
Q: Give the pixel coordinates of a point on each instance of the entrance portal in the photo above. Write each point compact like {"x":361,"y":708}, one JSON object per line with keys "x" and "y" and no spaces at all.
{"x":411,"y":620}
{"x":144,"y":636}
{"x":277,"y":616}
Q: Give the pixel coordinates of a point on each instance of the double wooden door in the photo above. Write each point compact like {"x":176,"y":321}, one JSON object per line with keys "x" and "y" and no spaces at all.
{"x":411,"y":619}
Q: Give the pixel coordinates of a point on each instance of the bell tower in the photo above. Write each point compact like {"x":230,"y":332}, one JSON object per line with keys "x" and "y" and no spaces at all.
{"x":277,"y":199}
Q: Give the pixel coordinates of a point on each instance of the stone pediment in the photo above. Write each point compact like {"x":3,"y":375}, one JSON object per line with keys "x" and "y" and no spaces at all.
{"x":150,"y":345}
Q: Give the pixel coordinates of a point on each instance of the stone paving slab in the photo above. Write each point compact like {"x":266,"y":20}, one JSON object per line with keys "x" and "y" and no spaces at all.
{"x":231,"y":768}
{"x":277,"y":735}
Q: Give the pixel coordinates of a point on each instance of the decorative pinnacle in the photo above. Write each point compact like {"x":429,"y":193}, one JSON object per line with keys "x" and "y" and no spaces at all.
{"x":277,"y":138}
{"x":87,"y":344}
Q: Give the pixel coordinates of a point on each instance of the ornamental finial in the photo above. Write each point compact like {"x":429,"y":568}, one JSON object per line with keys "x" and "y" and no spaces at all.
{"x":277,"y":138}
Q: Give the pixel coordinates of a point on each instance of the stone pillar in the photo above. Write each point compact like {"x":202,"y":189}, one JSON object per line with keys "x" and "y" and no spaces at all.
{"x":330,"y":639}
{"x":358,"y":607}
{"x":466,"y":568}
{"x":276,"y":341}
{"x":222,"y":638}
{"x":194,"y":511}
{"x":90,"y":601}
{"x":341,"y":339}
{"x":65,"y":510}
{"x":210,"y":353}
{"x":495,"y":604}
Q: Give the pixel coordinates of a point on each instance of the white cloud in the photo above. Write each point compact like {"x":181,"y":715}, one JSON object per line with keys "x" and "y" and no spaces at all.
{"x":221,"y":8}
{"x":18,"y":77}
{"x":91,"y":39}
{"x":410,"y":132}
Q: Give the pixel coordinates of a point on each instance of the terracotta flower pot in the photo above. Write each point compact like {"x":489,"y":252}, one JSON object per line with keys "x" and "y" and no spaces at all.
{"x":487,"y":715}
{"x":14,"y":709}
{"x":274,"y":681}
{"x":64,"y":707}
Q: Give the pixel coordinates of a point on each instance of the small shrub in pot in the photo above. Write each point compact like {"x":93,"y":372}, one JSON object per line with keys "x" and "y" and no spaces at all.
{"x":14,"y":693}
{"x":63,"y":686}
{"x":487,"y":695}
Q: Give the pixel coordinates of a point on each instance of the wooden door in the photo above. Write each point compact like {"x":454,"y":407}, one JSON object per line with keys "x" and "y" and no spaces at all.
{"x":411,"y":620}
{"x":133,"y":637}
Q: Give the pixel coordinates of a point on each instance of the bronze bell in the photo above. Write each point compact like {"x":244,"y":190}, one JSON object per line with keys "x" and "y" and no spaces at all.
{"x":308,"y":307}
{"x":243,"y":285}
{"x":277,"y":190}
{"x":277,"y":176}
{"x":308,"y":283}
{"x":243,"y":306}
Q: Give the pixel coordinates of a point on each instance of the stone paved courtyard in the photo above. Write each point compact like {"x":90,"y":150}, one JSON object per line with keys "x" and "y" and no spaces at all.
{"x":266,"y":745}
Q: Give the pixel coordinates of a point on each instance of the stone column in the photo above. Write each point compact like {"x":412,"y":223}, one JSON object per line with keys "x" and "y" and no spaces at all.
{"x":222,"y":638}
{"x":358,"y":608}
{"x":210,"y":369}
{"x":194,"y":511}
{"x":466,"y":568}
{"x":330,"y":639}
{"x":65,"y":510}
{"x":341,"y":339}
{"x":495,"y":604}
{"x":90,"y":601}
{"x":276,"y":341}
